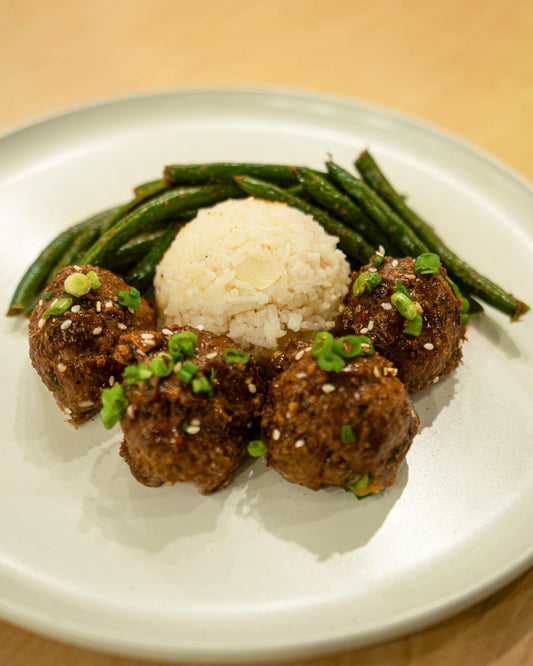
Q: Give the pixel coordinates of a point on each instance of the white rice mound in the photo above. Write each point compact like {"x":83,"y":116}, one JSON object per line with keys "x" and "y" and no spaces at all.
{"x":254,"y":270}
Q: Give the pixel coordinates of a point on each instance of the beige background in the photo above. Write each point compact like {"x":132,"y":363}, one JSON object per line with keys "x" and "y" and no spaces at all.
{"x":464,"y":65}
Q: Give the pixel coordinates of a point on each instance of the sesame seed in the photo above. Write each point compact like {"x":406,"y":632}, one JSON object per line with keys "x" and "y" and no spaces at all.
{"x":98,"y":306}
{"x":211,"y":355}
{"x":429,"y":346}
{"x":86,"y":403}
{"x":363,"y":330}
{"x":328,"y":388}
{"x":299,"y":443}
{"x":410,"y":276}
{"x":372,"y":269}
{"x":68,"y":411}
{"x":131,"y":310}
{"x":193,"y":430}
{"x":301,"y":375}
{"x":147,"y":336}
{"x":365,"y":347}
{"x":375,"y":371}
{"x":66,"y":324}
{"x":97,"y":330}
{"x":109,"y":304}
{"x":166,"y":331}
{"x":390,"y":371}
{"x":252,"y":388}
{"x":111,"y":380}
{"x":75,"y":308}
{"x":195,"y":422}
{"x":394,"y":262}
{"x":61,"y":367}
{"x":130,"y":411}
{"x":342,"y":307}
{"x":276,"y":434}
{"x":436,"y":379}
{"x":299,"y":355}
{"x":381,"y":251}
{"x":386,"y":306}
{"x":41,"y":323}
{"x":41,"y":302}
{"x":78,"y":268}
{"x":200,"y":327}
{"x":370,"y":324}
{"x":122,"y":326}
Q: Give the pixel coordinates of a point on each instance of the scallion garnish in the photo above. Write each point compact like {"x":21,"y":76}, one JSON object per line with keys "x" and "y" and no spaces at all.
{"x":129,"y":299}
{"x":323,"y":342}
{"x":378,"y":259}
{"x":414,"y":326}
{"x":93,"y":279}
{"x":365,"y":281}
{"x":162,"y":365}
{"x":358,"y":482}
{"x":465,"y":304}
{"x":404,"y":305}
{"x":350,"y":346}
{"x":427,"y":263}
{"x":187,"y":372}
{"x":77,"y":284}
{"x":182,"y":344}
{"x":58,"y":308}
{"x":232,"y":355}
{"x":330,"y":361}
{"x":114,"y":403}
{"x":133,"y":374}
{"x":202,"y":385}
{"x":347,"y":434}
{"x":257,"y":448}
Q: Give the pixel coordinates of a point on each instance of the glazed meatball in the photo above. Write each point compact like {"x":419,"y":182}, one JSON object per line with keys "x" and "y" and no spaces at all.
{"x":72,"y":349}
{"x":349,"y":428}
{"x":421,"y":358}
{"x":176,"y":433}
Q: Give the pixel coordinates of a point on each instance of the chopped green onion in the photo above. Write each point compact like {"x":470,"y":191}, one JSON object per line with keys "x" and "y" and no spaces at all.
{"x":93,"y":279}
{"x":347,"y":434}
{"x":202,"y":385}
{"x":257,"y":448}
{"x":378,"y":259}
{"x":187,"y":372}
{"x":465,"y":303}
{"x":232,"y":355}
{"x":323,"y":342}
{"x":77,"y":284}
{"x":350,"y":346}
{"x":414,"y":326}
{"x":114,"y":403}
{"x":330,"y":361}
{"x":58,"y":308}
{"x":404,"y":305}
{"x":162,"y":365}
{"x":182,"y":343}
{"x":399,"y":287}
{"x":134,"y":374}
{"x":366,"y":281}
{"x":47,"y":296}
{"x":358,"y":482}
{"x":129,"y":299}
{"x":427,"y":263}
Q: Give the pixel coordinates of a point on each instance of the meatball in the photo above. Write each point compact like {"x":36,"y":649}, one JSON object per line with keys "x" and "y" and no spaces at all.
{"x":174,"y":434}
{"x":72,"y":351}
{"x":421,"y":359}
{"x":350,"y":428}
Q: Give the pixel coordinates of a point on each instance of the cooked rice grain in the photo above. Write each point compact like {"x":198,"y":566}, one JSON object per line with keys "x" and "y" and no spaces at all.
{"x":254,"y":270}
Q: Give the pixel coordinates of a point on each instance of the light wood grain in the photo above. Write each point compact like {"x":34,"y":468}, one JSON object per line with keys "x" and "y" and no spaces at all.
{"x":463,"y":65}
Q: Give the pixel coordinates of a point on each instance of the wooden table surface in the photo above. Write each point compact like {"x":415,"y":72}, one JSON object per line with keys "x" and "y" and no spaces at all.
{"x":463,"y":65}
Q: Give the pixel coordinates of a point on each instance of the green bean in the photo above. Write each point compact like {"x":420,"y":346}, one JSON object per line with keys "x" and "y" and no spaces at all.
{"x":350,"y":241}
{"x":148,"y":191}
{"x":218,"y":172}
{"x":150,"y":188}
{"x":389,"y":222}
{"x":469,"y":280}
{"x":141,"y":275}
{"x":37,"y":275}
{"x":133,"y":250}
{"x":330,"y":197}
{"x":158,"y":209}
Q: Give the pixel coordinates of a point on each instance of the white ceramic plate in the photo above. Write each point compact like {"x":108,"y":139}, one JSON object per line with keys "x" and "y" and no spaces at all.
{"x":263,"y":569}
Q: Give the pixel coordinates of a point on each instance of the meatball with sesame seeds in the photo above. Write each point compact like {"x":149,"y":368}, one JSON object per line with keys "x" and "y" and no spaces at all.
{"x":413,"y":318}
{"x":349,"y":427}
{"x":73,"y":331}
{"x":193,"y":403}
